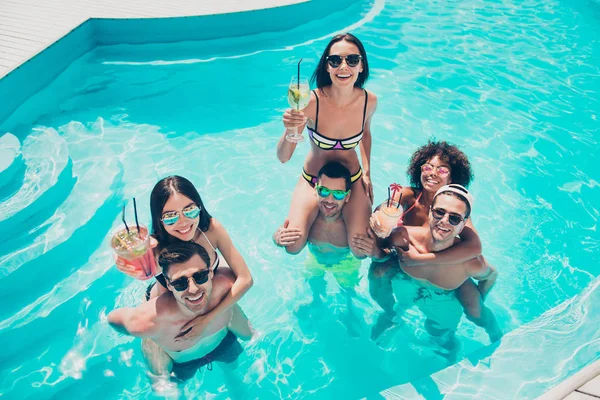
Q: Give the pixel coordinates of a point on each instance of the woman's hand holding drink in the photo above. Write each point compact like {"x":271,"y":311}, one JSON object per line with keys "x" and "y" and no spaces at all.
{"x":134,"y":250}
{"x":384,"y":220}
{"x":298,"y":99}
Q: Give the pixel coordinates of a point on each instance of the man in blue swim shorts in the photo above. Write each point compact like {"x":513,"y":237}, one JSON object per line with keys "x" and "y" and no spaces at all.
{"x":193,"y":291}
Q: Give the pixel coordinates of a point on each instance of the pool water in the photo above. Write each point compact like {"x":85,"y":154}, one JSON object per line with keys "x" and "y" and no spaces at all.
{"x":516,"y":84}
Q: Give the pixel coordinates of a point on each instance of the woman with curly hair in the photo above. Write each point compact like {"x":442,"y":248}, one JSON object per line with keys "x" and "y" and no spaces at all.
{"x":436,"y":164}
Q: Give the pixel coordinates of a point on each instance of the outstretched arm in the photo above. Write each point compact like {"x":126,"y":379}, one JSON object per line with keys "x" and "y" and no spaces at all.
{"x":239,"y":324}
{"x":139,"y":321}
{"x":468,"y":248}
{"x":243,"y":282}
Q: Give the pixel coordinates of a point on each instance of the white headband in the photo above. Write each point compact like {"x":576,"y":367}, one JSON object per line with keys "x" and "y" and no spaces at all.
{"x":458,"y":189}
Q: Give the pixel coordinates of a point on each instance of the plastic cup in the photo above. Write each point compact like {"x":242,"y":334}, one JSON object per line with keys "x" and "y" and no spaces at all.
{"x":388,"y":218}
{"x":135,"y":248}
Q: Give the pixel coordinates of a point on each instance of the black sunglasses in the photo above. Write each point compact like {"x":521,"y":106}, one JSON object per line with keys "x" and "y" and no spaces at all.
{"x":352,"y":60}
{"x":181,"y":284}
{"x":453,"y":218}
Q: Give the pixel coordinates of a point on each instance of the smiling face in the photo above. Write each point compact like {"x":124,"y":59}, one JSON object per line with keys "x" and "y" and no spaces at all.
{"x":433,"y":178}
{"x":328,"y":206}
{"x":344,"y":75}
{"x":195,"y":297}
{"x":185,"y":228}
{"x":441,"y":229}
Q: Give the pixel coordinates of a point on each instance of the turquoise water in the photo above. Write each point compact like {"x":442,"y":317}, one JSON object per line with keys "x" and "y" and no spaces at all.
{"x":516,"y":84}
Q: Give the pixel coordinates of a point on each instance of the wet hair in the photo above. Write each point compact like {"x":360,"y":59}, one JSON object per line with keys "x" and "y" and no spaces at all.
{"x":458,"y":196}
{"x":161,"y":193}
{"x":178,"y":253}
{"x":321,"y":77}
{"x":460,"y":168}
{"x":336,"y":170}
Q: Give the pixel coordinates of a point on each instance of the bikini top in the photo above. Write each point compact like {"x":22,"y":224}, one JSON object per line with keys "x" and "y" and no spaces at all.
{"x":326,"y":143}
{"x":216,"y":263}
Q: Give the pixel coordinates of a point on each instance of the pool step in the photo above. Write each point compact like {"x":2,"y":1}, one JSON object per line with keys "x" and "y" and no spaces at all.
{"x":48,"y":180}
{"x":12,"y":167}
{"x":527,"y":362}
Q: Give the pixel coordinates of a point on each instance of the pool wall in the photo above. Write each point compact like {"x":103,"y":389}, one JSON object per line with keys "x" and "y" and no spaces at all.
{"x":30,"y":77}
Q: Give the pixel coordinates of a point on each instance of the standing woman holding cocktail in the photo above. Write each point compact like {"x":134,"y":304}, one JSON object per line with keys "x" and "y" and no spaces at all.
{"x":338,"y":118}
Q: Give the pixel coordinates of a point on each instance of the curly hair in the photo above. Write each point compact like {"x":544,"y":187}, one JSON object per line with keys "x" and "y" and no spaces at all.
{"x":460,"y":168}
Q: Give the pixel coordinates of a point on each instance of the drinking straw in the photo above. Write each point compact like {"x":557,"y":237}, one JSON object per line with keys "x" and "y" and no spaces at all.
{"x":123,"y":218}
{"x":136,"y":218}
{"x":400,"y":201}
{"x":298,"y":83}
{"x":395,"y":189}
{"x":389,"y":197}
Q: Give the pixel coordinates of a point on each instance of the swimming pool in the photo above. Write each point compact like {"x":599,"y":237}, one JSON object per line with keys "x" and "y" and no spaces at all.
{"x":515,"y":84}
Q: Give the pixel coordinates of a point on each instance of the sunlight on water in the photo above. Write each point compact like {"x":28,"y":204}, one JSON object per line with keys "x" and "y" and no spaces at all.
{"x":515,"y":84}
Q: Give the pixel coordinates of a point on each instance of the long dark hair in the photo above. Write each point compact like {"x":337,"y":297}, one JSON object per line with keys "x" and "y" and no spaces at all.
{"x":161,"y":193}
{"x":460,"y":167}
{"x":321,"y":76}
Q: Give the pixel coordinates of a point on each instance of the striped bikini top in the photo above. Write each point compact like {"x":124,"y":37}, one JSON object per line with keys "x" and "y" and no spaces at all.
{"x":326,"y":143}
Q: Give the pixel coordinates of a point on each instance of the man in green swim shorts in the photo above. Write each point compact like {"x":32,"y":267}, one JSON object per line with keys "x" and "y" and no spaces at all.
{"x":431,"y":288}
{"x":193,"y":291}
{"x":327,"y":238}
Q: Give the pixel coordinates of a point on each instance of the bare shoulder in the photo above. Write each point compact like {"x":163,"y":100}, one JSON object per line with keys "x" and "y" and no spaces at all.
{"x":164,"y":308}
{"x":310,"y":111}
{"x":417,"y":233}
{"x":372,"y":102}
{"x":372,"y":97}
{"x":221,"y":285}
{"x":217,"y":229}
{"x":408,"y":194}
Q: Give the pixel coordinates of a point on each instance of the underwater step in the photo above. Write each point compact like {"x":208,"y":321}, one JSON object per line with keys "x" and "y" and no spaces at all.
{"x":48,"y":180}
{"x":12,"y":167}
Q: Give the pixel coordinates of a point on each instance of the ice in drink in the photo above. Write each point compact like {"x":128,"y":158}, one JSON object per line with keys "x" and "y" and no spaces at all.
{"x":135,"y":248}
{"x":388,"y":217}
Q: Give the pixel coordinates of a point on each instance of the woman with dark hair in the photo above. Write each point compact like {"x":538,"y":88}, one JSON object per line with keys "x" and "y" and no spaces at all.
{"x":178,"y":214}
{"x":436,"y":164}
{"x":338,"y":118}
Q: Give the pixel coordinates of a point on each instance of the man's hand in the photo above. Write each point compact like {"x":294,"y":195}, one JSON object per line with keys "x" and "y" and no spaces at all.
{"x":285,"y":236}
{"x":366,"y":181}
{"x":192,"y":329}
{"x":410,"y":257}
{"x":368,"y":245}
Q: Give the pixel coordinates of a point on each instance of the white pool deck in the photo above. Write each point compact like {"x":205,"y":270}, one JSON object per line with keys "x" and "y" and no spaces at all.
{"x":27,"y":27}
{"x":583,"y":385}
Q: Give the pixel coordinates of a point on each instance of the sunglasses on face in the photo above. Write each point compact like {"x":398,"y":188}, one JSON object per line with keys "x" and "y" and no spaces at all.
{"x":171,"y":217}
{"x":453,"y":218}
{"x":183,"y":283}
{"x":441,"y":170}
{"x":322,"y":191}
{"x":352,"y":60}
